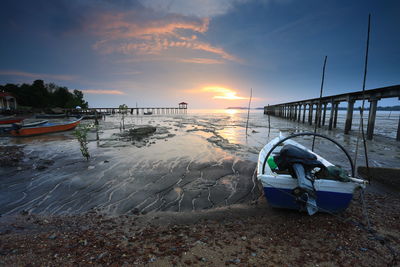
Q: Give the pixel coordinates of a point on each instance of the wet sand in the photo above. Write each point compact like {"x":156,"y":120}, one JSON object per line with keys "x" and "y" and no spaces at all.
{"x":194,"y":169}
{"x":243,"y":235}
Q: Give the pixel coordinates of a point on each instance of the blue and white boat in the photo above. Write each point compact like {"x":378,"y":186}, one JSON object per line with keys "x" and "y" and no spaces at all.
{"x":302,"y":188}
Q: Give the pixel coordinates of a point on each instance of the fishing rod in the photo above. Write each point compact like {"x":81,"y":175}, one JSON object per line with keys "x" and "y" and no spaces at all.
{"x":248,"y":110}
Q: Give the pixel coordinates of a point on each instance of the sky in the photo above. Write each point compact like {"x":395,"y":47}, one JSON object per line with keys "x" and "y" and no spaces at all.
{"x":208,"y":53}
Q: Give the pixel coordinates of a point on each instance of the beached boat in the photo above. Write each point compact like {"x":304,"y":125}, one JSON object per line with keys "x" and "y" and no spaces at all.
{"x":311,"y":183}
{"x":148,"y":113}
{"x":7,"y":129}
{"x":10,"y":120}
{"x":46,"y":128}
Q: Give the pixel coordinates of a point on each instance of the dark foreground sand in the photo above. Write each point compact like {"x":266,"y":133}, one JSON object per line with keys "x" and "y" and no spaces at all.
{"x":243,"y":235}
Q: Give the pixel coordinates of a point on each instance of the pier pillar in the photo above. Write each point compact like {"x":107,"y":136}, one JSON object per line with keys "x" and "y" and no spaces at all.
{"x":349,"y":116}
{"x":317,"y":114}
{"x":336,"y":114}
{"x":310,"y":113}
{"x":371,"y":118}
{"x":324,"y":115}
{"x":398,"y":131}
{"x":331,"y":115}
{"x":304,"y":112}
{"x":299,"y":117}
{"x":294,"y":113}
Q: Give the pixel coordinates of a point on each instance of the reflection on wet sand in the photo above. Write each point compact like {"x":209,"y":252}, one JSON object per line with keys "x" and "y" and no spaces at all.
{"x":191,"y":162}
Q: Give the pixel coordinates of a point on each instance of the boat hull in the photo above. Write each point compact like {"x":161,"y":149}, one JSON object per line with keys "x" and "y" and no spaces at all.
{"x":10,"y":121}
{"x":46,"y":128}
{"x":331,"y":196}
{"x":329,"y":202}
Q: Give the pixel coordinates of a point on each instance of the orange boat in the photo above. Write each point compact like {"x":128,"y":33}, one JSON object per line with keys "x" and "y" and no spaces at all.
{"x":10,"y":120}
{"x":46,"y":128}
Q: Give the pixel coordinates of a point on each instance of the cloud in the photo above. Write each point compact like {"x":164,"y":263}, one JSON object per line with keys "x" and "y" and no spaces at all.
{"x":134,"y":33}
{"x":201,"y":61}
{"x":128,"y":73}
{"x":37,"y":75}
{"x":200,"y":8}
{"x":103,"y":92}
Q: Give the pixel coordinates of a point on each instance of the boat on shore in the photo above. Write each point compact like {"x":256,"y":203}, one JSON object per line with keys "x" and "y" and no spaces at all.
{"x":10,"y":120}
{"x":148,"y":113}
{"x":48,"y":127}
{"x":294,"y":177}
{"x":14,"y":126}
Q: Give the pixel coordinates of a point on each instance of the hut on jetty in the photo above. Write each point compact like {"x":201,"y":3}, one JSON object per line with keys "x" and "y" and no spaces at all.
{"x":7,"y":101}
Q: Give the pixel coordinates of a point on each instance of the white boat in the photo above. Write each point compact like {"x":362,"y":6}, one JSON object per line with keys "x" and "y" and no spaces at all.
{"x":302,"y":188}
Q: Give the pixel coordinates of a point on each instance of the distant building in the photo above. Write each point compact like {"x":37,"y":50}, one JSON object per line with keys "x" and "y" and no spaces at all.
{"x":7,"y":101}
{"x":183,"y":105}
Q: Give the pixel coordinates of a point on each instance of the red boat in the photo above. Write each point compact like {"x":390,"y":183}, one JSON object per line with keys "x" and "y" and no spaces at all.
{"x":46,"y":128}
{"x":10,"y":120}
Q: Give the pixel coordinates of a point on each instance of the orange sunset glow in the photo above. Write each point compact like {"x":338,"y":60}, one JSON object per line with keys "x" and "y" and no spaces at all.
{"x":223,"y":93}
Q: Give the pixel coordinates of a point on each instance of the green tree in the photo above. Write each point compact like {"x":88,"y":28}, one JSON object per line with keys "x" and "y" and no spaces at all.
{"x":79,"y":99}
{"x":39,"y":94}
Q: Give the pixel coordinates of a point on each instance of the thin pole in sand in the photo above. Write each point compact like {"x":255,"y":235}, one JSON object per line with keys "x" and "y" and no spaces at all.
{"x":269,"y":121}
{"x":320,"y":103}
{"x":362,"y":106}
{"x":248,"y":111}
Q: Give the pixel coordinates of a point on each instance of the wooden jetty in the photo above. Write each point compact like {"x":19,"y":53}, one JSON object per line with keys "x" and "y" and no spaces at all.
{"x":181,"y":109}
{"x":297,"y":110}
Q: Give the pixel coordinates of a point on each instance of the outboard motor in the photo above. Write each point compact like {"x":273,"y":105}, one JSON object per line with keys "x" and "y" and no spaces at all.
{"x":300,"y":163}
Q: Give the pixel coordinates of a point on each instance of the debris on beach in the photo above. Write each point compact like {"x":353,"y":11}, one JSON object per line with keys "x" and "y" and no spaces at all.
{"x":139,"y":133}
{"x":239,"y":236}
{"x":11,"y":156}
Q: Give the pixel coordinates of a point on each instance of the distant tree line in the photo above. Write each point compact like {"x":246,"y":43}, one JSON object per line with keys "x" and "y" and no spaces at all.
{"x":41,"y":95}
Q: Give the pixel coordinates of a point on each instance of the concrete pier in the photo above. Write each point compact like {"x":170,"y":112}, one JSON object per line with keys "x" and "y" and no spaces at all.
{"x":297,"y":110}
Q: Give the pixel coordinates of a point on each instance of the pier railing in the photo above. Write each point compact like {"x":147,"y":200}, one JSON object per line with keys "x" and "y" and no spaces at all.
{"x":297,"y":110}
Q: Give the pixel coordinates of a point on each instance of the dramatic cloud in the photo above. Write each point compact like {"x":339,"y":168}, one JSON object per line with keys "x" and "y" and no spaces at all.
{"x":103,"y":92}
{"x":131,"y":34}
{"x":37,"y":75}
